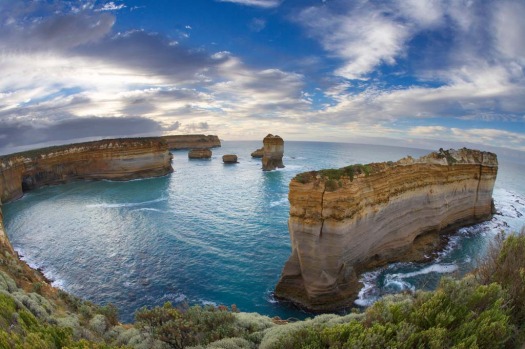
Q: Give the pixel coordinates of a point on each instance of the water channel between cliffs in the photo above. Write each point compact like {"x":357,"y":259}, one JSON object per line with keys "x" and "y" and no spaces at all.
{"x":211,"y":233}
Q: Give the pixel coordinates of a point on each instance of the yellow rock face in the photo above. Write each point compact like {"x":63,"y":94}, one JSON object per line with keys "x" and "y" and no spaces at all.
{"x":114,"y":159}
{"x":192,"y":141}
{"x":273,"y":152}
{"x":383,"y":213}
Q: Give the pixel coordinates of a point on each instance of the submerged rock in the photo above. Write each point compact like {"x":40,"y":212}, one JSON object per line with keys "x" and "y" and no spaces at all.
{"x":229,"y":159}
{"x":273,"y":153}
{"x":346,"y":221}
{"x":199,"y":154}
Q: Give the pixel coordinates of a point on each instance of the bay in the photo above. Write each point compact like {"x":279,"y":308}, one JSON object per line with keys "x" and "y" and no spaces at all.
{"x":211,"y":233}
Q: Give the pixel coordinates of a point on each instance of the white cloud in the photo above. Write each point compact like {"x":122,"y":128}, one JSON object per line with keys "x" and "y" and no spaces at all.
{"x":111,"y":6}
{"x":257,"y":24}
{"x":509,"y":30}
{"x":485,"y":136}
{"x":256,"y":3}
{"x":425,"y":13}
{"x":363,"y":37}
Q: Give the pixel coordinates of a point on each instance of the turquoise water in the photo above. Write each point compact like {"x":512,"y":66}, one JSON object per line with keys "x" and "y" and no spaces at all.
{"x":212,"y":233}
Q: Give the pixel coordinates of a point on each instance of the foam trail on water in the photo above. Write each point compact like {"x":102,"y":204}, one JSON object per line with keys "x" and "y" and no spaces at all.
{"x":126,"y":204}
{"x":434,"y":268}
{"x":148,"y":209}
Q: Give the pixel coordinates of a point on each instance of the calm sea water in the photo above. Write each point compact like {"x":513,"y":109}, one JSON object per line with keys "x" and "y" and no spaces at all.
{"x":212,"y":233}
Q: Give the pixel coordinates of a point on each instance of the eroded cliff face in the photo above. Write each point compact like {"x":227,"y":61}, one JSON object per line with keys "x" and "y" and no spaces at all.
{"x":114,"y":159}
{"x":273,"y":151}
{"x":192,"y":141}
{"x":343,"y":222}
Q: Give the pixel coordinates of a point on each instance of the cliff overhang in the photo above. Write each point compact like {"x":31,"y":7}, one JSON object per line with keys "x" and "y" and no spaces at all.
{"x":346,"y":221}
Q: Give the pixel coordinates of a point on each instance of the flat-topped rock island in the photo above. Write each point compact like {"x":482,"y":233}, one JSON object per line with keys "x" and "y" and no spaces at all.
{"x":345,"y":221}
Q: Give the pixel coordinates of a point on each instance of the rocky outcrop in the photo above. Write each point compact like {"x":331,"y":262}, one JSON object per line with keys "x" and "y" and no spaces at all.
{"x":345,"y":221}
{"x":192,"y":141}
{"x":273,"y":152}
{"x":259,"y":153}
{"x":229,"y":159}
{"x":114,"y":159}
{"x":199,"y":154}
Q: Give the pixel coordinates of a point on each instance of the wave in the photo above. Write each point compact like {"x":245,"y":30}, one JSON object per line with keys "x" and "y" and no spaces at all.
{"x":394,"y":282}
{"x":369,"y":292}
{"x":126,"y":204}
{"x":280,"y":202}
{"x":174,"y":297}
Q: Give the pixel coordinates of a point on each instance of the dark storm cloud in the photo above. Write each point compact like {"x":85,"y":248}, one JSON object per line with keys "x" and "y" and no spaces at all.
{"x":17,"y":134}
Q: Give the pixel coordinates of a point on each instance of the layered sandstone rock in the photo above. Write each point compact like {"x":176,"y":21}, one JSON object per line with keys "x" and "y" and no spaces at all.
{"x":192,"y":141}
{"x":229,"y":159}
{"x":259,"y":153}
{"x":273,"y":152}
{"x":199,"y":154}
{"x":114,"y":159}
{"x":343,"y":222}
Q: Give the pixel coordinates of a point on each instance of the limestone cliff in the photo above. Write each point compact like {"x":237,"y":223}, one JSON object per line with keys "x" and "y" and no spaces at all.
{"x":192,"y":141}
{"x":345,"y":221}
{"x":273,"y":152}
{"x":115,"y":159}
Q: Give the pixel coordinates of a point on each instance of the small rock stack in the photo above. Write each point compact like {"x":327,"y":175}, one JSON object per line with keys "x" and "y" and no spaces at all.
{"x":273,"y":153}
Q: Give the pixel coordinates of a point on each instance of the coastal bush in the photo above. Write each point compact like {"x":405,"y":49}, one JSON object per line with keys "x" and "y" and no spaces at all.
{"x":110,"y":312}
{"x":459,"y":314}
{"x":505,"y":265}
{"x":186,"y":327}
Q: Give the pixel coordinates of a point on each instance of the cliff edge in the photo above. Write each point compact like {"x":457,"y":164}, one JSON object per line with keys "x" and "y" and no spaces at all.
{"x":114,"y":159}
{"x":346,"y":221}
{"x":197,"y":141}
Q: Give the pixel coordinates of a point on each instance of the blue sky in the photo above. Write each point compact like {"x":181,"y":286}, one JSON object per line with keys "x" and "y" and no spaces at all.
{"x":423,"y":73}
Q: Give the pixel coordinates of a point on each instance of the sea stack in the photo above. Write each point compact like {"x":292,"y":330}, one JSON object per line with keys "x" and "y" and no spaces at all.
{"x":346,"y":221}
{"x":273,"y":152}
{"x":199,"y":154}
{"x":259,"y":153}
{"x":229,"y":159}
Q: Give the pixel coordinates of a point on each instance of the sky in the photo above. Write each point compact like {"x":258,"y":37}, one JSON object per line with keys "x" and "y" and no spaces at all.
{"x":421,"y":73}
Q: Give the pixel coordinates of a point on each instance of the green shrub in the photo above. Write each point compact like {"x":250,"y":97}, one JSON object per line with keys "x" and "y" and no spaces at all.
{"x":504,"y":263}
{"x":331,"y":185}
{"x":110,"y":312}
{"x":192,"y":326}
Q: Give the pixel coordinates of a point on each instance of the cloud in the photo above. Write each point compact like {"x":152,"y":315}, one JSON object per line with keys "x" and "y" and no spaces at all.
{"x":13,"y":134}
{"x":267,"y":93}
{"x":509,"y":28}
{"x":256,"y":3}
{"x":257,"y":24}
{"x":111,"y":6}
{"x":59,"y":32}
{"x":151,"y":54}
{"x":362,"y":36}
{"x":487,"y":136}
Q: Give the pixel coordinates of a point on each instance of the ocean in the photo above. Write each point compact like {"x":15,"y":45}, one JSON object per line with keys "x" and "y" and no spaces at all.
{"x":216,"y":234}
